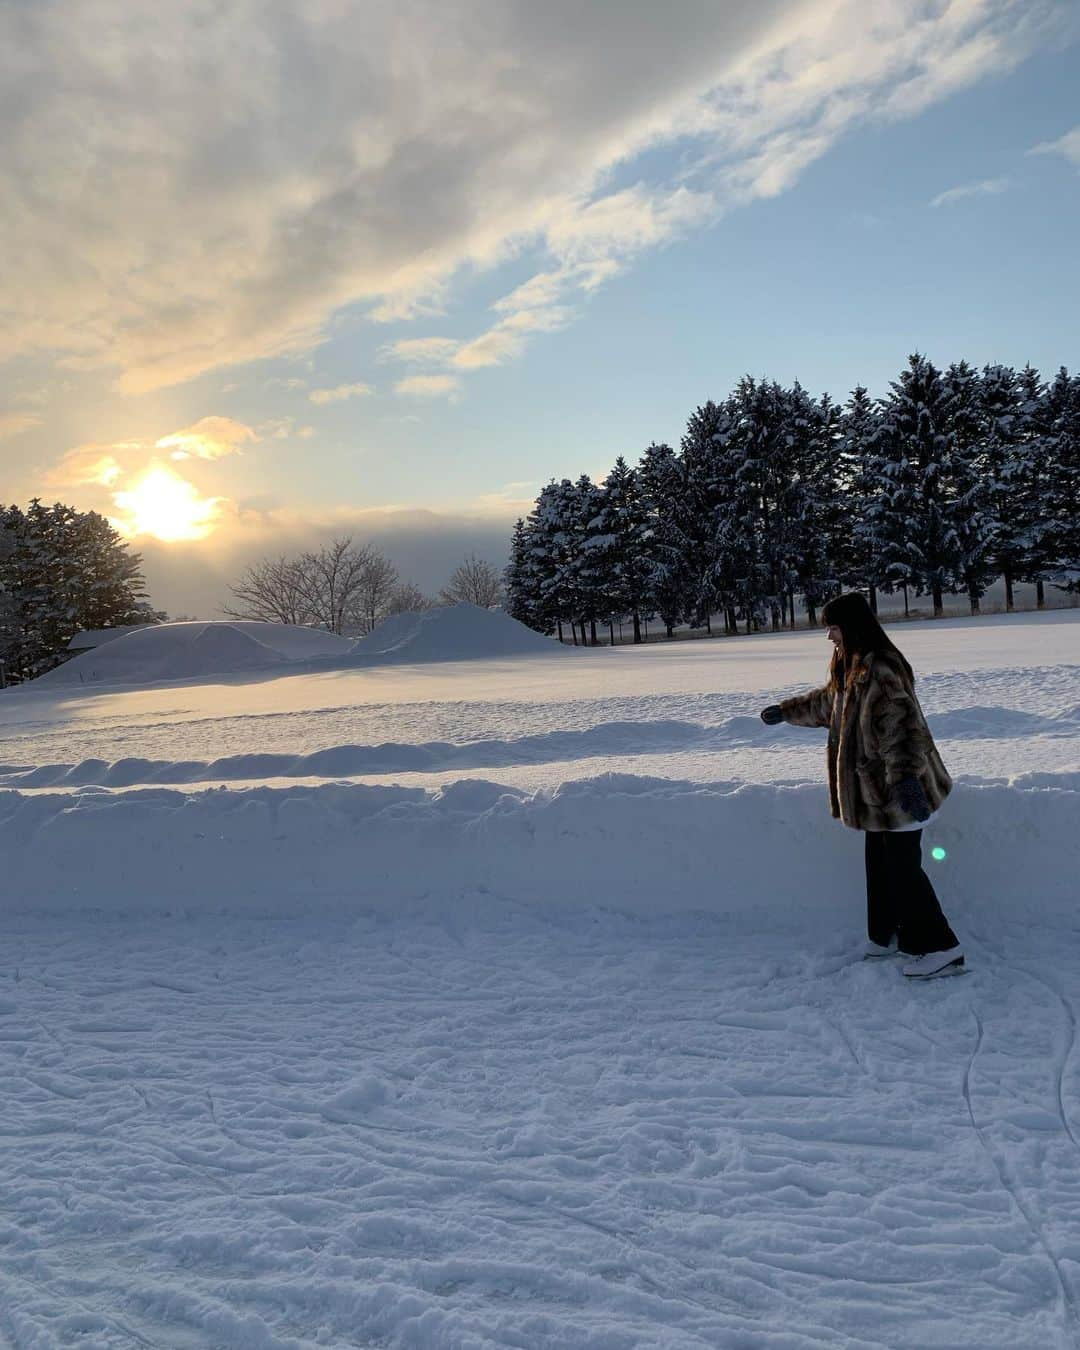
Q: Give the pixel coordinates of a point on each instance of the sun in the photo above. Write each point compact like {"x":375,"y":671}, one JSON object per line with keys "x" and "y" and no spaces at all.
{"x":168,"y":507}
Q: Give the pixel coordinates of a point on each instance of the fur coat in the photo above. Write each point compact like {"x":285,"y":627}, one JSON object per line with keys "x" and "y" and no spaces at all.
{"x":877,"y":736}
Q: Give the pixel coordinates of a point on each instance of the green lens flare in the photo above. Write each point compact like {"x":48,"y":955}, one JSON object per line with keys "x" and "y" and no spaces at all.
{"x":938,"y":854}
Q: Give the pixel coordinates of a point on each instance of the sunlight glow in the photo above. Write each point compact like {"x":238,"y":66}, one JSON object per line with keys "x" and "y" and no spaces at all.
{"x":166,"y":506}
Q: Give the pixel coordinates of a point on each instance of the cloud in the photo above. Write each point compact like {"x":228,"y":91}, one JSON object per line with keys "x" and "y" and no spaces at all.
{"x":1067,"y":145}
{"x":428,"y":386}
{"x":101,"y":464}
{"x":15,"y":423}
{"x":91,"y":464}
{"x":159,"y":238}
{"x":340,"y":393}
{"x":209,"y":438}
{"x":144,"y":496}
{"x":986,"y":188}
{"x":284,"y":429}
{"x":511,"y":500}
{"x":420,"y":351}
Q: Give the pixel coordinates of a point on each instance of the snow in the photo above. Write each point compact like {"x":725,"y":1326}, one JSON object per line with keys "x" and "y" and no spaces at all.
{"x":185,"y":651}
{"x":193,"y":650}
{"x":95,"y":637}
{"x":460,"y":632}
{"x":515,"y":1001}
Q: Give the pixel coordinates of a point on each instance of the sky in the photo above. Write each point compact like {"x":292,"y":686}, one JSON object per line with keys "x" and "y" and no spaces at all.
{"x":276,"y":271}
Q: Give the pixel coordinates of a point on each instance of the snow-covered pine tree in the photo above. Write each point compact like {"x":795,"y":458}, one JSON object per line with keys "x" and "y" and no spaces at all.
{"x":820,"y":528}
{"x":593,"y":547}
{"x":1033,"y":492}
{"x":520,"y":582}
{"x":762,"y":535}
{"x":968,"y":484}
{"x":62,"y":571}
{"x":667,"y":554}
{"x":858,"y":556}
{"x":920,"y":545}
{"x":623,"y":528}
{"x":1005,"y":467}
{"x":700,"y":451}
{"x":1063,"y":498}
{"x":550,"y":533}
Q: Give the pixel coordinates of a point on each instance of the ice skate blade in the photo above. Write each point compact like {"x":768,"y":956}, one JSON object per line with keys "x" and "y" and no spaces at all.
{"x":956,"y":967}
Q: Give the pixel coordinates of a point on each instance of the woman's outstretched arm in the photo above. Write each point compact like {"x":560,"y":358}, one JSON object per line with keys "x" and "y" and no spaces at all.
{"x":808,"y":710}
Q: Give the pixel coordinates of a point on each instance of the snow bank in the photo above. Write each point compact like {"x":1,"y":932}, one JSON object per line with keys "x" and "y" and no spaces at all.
{"x":766,"y":857}
{"x":449,"y":633}
{"x":607,"y":741}
{"x":194,"y":650}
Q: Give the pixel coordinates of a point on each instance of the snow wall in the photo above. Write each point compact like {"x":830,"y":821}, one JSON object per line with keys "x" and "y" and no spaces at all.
{"x":765,"y":857}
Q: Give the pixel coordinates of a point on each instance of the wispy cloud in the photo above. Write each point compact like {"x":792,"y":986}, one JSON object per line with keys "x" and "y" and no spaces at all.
{"x":14,"y":423}
{"x":987,"y":187}
{"x":1067,"y":145}
{"x":340,"y":393}
{"x":420,"y":351}
{"x":420,"y":143}
{"x":209,"y":438}
{"x":428,"y":386}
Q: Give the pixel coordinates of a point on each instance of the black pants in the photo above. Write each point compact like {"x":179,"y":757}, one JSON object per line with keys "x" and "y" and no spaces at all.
{"x":900,"y":900}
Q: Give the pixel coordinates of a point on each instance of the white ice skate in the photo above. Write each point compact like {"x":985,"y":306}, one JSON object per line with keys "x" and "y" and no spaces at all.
{"x":933,"y":964}
{"x":874,"y":951}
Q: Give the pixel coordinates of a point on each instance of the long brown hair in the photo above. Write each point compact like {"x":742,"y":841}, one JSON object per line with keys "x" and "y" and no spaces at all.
{"x":861,"y":634}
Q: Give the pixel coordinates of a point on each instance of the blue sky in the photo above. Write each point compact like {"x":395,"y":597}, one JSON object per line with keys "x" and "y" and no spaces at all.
{"x":844,"y":185}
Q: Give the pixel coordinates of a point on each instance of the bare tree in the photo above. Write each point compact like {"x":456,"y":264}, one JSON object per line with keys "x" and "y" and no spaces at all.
{"x":342,"y":587}
{"x":475,"y":580}
{"x":406,"y":598}
{"x":371,"y":601}
{"x":334,"y":577}
{"x":274,"y":590}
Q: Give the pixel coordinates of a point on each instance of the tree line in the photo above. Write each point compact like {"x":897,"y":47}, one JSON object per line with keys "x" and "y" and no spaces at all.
{"x":775,"y":498}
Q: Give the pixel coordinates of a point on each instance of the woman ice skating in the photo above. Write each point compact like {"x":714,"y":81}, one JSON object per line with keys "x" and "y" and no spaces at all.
{"x":886,"y":778}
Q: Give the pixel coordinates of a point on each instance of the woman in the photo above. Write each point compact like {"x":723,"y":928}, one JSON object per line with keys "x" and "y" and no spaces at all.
{"x":885,"y":777}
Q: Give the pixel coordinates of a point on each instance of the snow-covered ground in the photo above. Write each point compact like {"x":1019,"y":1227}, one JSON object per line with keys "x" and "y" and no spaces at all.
{"x":515,"y":1002}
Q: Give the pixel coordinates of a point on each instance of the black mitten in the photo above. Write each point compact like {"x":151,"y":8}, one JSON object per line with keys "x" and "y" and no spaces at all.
{"x":772,"y":715}
{"x":912,"y":799}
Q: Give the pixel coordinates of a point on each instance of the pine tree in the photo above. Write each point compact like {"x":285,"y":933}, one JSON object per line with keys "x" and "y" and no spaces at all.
{"x":921,"y":546}
{"x":519,"y":583}
{"x":594,"y":581}
{"x":550,"y":535}
{"x":62,"y":571}
{"x":858,"y":560}
{"x":625,"y":560}
{"x":701,"y":457}
{"x":1004,"y":464}
{"x":820,"y":527}
{"x":1063,"y":496}
{"x":761,"y":537}
{"x":968,"y":481}
{"x":665,"y":546}
{"x":1031,"y":494}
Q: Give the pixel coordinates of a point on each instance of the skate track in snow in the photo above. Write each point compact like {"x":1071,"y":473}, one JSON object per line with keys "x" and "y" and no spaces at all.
{"x":514,"y":1127}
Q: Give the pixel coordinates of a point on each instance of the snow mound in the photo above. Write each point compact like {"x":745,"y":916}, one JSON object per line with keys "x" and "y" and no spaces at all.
{"x":461,"y":632}
{"x":194,"y":650}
